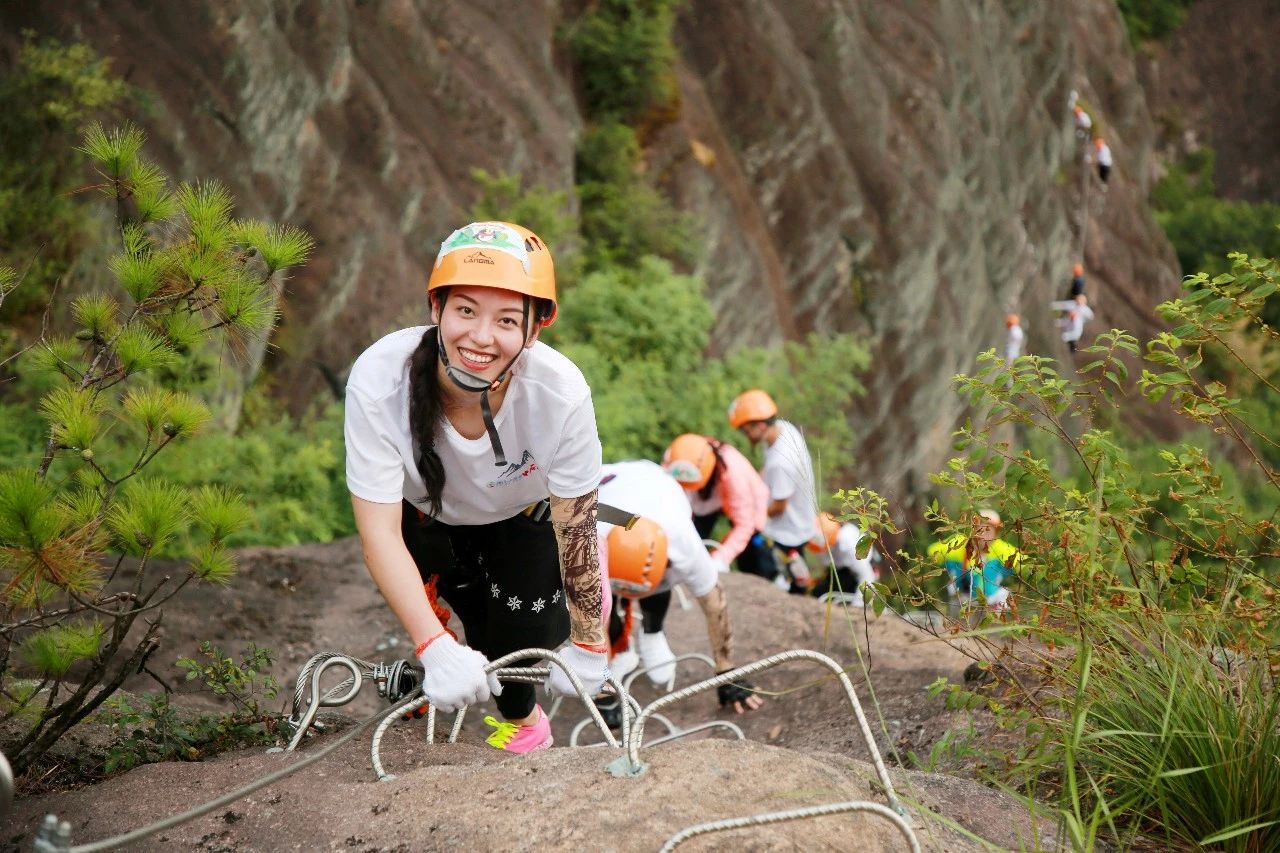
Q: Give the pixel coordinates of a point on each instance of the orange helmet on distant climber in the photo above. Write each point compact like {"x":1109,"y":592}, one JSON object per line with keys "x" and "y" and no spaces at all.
{"x":753,"y":405}
{"x":1011,"y":320}
{"x":500,"y":255}
{"x":828,"y":530}
{"x":1078,"y":269}
{"x":1099,"y":142}
{"x":637,"y":558}
{"x":690,"y":460}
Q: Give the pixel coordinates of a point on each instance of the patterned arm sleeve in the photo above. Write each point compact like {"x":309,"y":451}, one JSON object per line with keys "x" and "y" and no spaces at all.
{"x":574,"y":521}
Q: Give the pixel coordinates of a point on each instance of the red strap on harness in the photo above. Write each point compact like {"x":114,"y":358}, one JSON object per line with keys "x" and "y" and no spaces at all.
{"x":623,"y":642}
{"x":442,"y":613}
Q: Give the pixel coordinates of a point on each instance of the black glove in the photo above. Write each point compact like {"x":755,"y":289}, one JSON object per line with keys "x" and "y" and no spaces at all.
{"x":735,"y":691}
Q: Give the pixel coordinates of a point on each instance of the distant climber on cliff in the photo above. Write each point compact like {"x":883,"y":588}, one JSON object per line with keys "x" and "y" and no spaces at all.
{"x":1076,"y":313}
{"x":1083,"y":122}
{"x":1077,"y":281}
{"x":1104,"y":159}
{"x":1014,"y":338}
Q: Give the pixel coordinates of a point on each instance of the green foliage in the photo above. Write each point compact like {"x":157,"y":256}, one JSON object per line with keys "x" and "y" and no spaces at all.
{"x":1148,"y":20}
{"x":640,"y":335}
{"x":625,"y":58}
{"x":146,"y":516}
{"x":157,"y":732}
{"x":545,"y":212}
{"x":623,"y":218}
{"x":1185,"y":739}
{"x":244,"y":683}
{"x":50,"y":92}
{"x":1140,"y":653}
{"x":289,"y":473}
{"x":189,"y":285}
{"x":1204,"y":228}
{"x":53,"y":652}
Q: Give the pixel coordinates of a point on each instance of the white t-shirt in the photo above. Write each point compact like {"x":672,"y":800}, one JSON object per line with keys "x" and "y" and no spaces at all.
{"x":845,"y":554}
{"x":547,"y":426}
{"x":788,"y":472}
{"x":1013,"y":343}
{"x":645,"y":489}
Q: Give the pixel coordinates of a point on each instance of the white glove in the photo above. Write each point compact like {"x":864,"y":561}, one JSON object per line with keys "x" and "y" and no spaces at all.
{"x":623,"y":663}
{"x":592,"y":668}
{"x":721,"y":563}
{"x":657,"y":658}
{"x":998,"y":600}
{"x":455,"y":675}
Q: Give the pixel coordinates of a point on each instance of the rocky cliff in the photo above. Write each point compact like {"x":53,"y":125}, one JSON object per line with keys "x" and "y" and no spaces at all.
{"x":906,"y":171}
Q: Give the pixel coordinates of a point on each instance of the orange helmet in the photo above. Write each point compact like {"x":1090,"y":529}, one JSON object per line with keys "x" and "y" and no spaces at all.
{"x":828,"y":530}
{"x":753,"y":405}
{"x":497,"y":254}
{"x":1011,"y":320}
{"x":637,"y":558}
{"x":1078,"y":269}
{"x":690,"y":459}
{"x":1099,"y":142}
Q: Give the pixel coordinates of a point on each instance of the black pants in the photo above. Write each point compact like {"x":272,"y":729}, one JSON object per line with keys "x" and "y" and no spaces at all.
{"x":503,"y":581}
{"x":755,"y":559}
{"x":653,"y":613}
{"x":783,"y":555}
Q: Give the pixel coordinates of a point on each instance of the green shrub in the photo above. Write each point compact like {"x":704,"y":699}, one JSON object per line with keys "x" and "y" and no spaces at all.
{"x":113,"y":407}
{"x":640,"y":335}
{"x":625,"y":58}
{"x":623,"y":219}
{"x":1187,"y":740}
{"x":49,"y":94}
{"x":158,"y":732}
{"x":1139,"y":657}
{"x":1205,"y":229}
{"x":1148,"y":20}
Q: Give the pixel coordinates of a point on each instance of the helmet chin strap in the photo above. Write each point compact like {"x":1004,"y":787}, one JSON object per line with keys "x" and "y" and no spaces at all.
{"x":476,"y":385}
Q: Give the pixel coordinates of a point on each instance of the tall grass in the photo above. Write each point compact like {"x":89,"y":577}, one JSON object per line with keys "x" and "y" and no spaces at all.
{"x":1171,"y":739}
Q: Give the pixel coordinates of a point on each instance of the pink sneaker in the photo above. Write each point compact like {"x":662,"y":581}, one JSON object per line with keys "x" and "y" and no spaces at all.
{"x":520,"y":739}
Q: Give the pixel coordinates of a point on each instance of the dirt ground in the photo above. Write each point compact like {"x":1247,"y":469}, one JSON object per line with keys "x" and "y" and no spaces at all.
{"x":802,"y":748}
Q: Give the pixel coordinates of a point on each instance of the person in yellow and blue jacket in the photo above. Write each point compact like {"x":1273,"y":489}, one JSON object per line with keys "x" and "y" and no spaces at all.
{"x":980,"y":561}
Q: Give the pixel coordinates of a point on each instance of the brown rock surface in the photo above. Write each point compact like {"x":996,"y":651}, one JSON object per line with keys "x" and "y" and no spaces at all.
{"x":1216,"y":82}
{"x":903,"y":171}
{"x":802,"y":747}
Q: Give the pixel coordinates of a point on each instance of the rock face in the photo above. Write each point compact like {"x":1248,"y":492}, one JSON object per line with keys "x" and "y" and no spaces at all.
{"x":1195,"y":81}
{"x":907,"y":172}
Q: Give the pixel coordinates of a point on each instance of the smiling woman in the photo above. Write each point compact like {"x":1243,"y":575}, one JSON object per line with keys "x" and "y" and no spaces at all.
{"x":444,"y":513}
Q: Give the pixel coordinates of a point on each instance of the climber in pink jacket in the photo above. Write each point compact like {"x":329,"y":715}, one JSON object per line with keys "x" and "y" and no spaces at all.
{"x":717,"y":480}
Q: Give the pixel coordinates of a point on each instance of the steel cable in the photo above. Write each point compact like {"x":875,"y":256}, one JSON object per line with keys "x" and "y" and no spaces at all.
{"x":795,"y":814}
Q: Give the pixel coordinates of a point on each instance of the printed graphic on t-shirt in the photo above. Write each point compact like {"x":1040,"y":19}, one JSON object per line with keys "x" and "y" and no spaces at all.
{"x":516,"y":471}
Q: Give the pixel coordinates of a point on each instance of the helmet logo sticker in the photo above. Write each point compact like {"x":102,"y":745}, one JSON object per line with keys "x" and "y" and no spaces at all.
{"x":684,"y":471}
{"x":486,"y":236}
